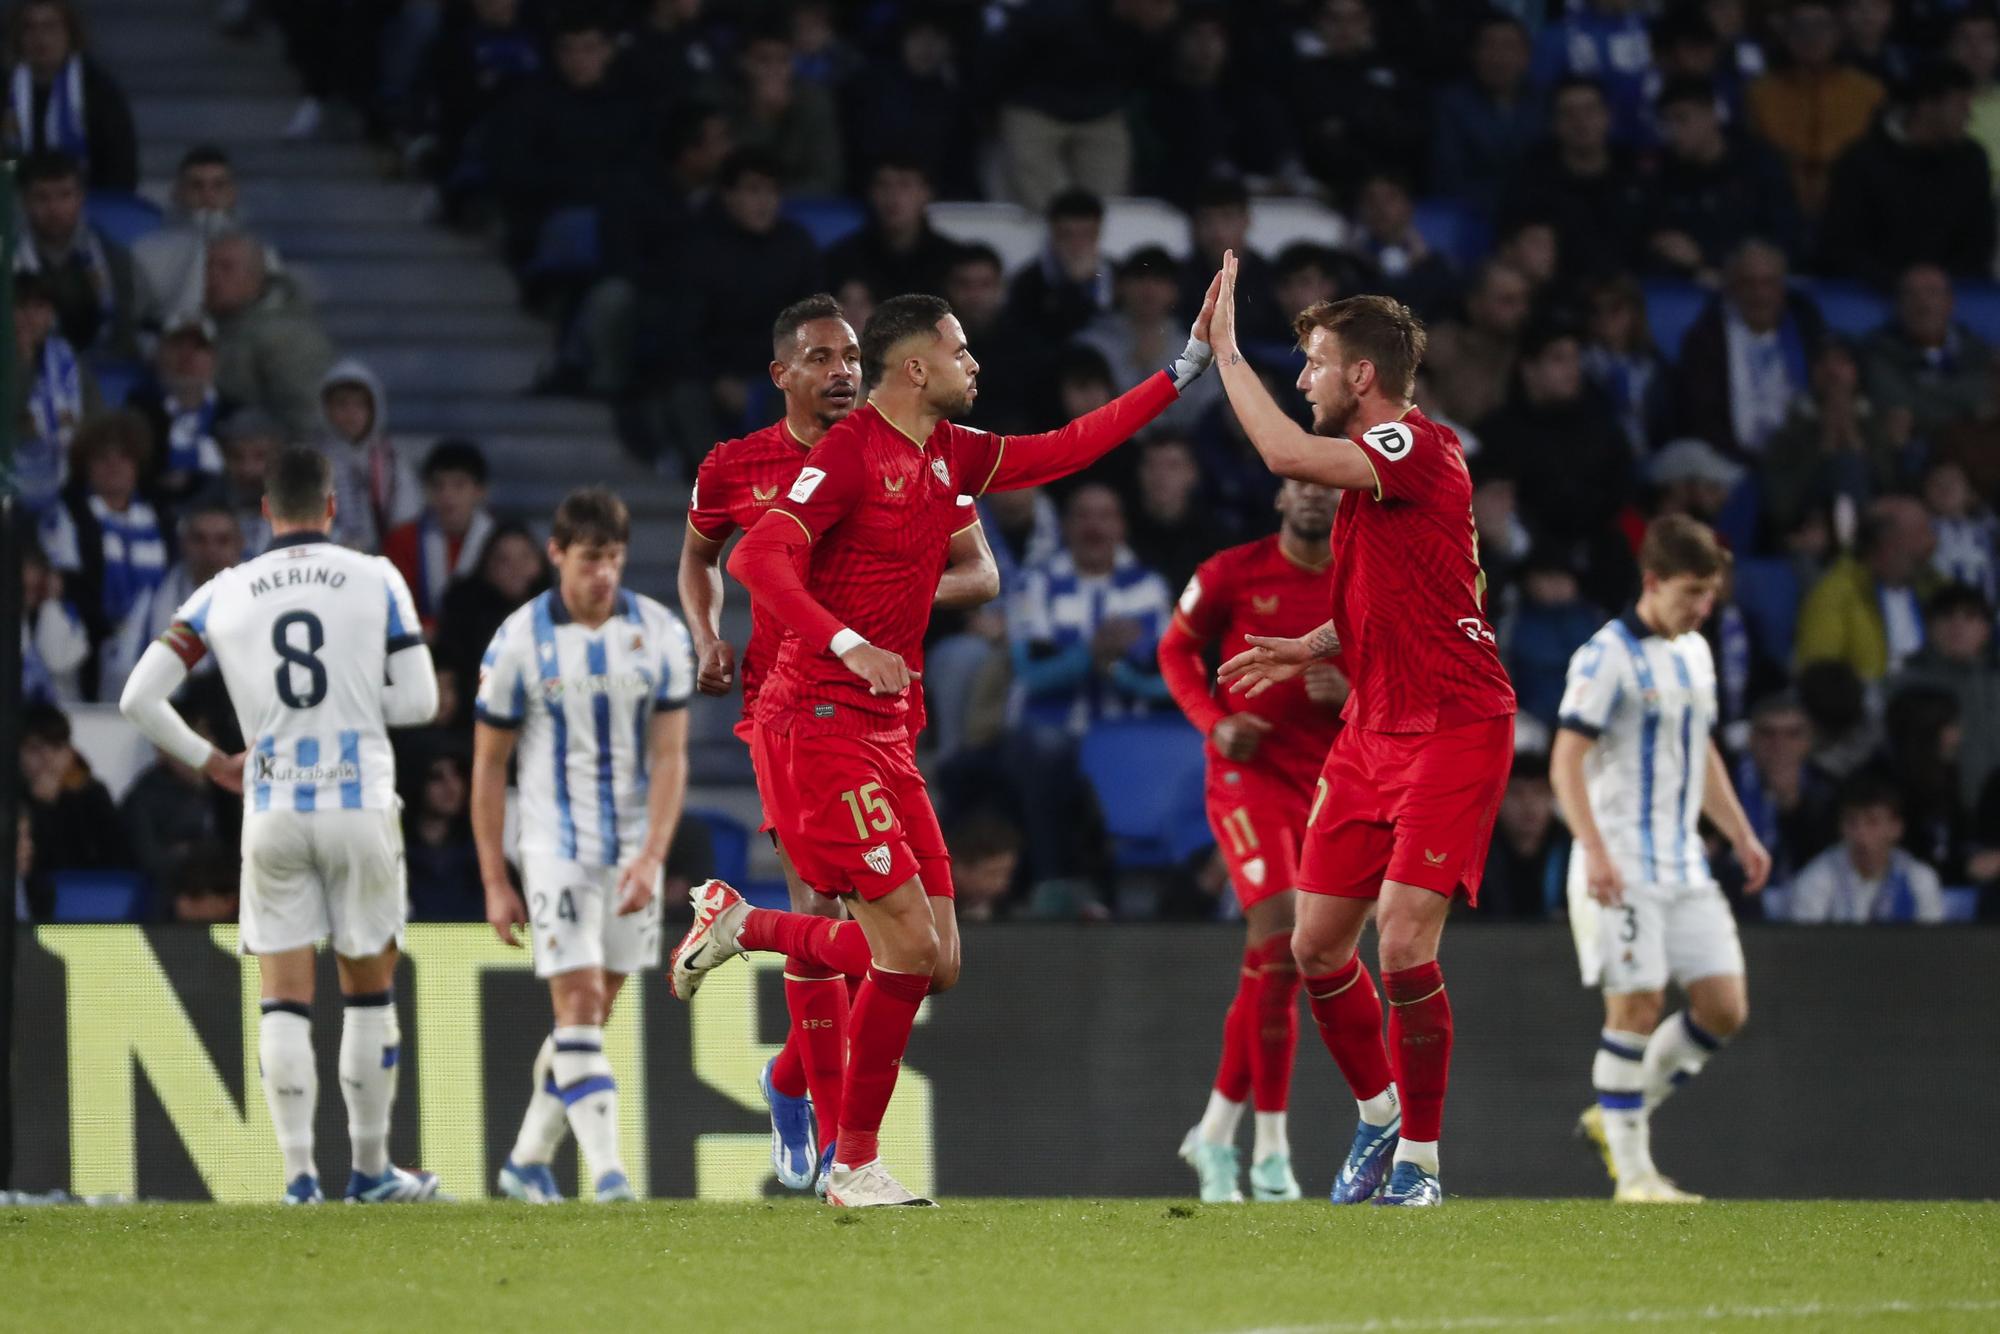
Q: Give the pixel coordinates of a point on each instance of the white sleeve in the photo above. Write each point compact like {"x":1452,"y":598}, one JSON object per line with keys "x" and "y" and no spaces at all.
{"x":502,"y":699}
{"x":410,"y":699}
{"x":59,"y":637}
{"x":676,"y":665}
{"x":158,"y":674}
{"x":1591,"y":689}
{"x":1927,"y":893}
{"x":59,"y":541}
{"x":405,"y":629}
{"x":1812,"y":892}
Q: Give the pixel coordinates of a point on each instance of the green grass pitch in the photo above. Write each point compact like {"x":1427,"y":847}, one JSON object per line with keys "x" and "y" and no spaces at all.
{"x":1154,"y":1265}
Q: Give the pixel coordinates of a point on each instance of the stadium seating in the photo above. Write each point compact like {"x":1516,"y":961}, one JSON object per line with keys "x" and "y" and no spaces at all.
{"x":730,"y":840}
{"x":99,"y":896}
{"x":1147,"y":774}
{"x":1455,"y":230}
{"x":123,"y":218}
{"x":1851,"y":308}
{"x":570,"y":245}
{"x":1767,"y":589}
{"x":1672,"y":307}
{"x":829,"y":220}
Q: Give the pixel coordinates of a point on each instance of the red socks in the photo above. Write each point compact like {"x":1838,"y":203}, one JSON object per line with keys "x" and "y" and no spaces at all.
{"x":821,"y":943}
{"x":879,"y":1031}
{"x":1274,"y":1025}
{"x":815,"y":1054}
{"x":1232,"y":1073}
{"x":1420,"y":1037}
{"x":1349,"y":1012}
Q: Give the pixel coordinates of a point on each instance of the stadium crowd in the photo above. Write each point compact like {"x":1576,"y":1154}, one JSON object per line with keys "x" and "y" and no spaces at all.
{"x":1711,"y":257}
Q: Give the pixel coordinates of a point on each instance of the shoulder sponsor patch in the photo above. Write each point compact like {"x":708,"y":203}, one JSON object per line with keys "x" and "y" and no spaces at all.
{"x":1392,"y":440}
{"x":807,"y":483}
{"x":1191,"y":595}
{"x":694,"y":495}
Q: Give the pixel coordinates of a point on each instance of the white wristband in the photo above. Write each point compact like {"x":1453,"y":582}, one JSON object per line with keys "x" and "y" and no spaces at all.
{"x":845,"y":640}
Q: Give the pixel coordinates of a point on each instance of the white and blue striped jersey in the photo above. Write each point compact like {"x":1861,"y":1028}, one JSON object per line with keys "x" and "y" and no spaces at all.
{"x":303,"y":635}
{"x":582,"y":700}
{"x":1649,"y":703}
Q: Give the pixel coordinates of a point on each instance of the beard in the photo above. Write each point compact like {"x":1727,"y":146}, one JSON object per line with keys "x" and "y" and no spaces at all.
{"x":1310,"y":530}
{"x":1332,"y":419}
{"x":955,"y":404}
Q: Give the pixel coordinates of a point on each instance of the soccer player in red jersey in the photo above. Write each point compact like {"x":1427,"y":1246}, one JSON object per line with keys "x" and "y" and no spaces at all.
{"x":1263,"y":755}
{"x":1404,"y":808}
{"x":816,"y":366}
{"x":847,"y":562}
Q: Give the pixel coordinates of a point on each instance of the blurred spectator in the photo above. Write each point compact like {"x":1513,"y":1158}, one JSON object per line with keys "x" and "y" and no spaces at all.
{"x":1918,"y":151}
{"x":1388,"y":239}
{"x":89,"y":276}
{"x":820,"y":55}
{"x":34,"y":897}
{"x":897,"y":250}
{"x":1975,"y":445}
{"x":1145,"y":333}
{"x":1471,"y":360}
{"x":512,"y":569}
{"x":1085,"y":623}
{"x":917,"y":101}
{"x":985,"y":853}
{"x":1583,"y":184}
{"x":1485,"y":125}
{"x":1355,"y":107}
{"x":202,"y":887}
{"x":1925,"y":733}
{"x":169,"y":812}
{"x":1846,"y":737}
{"x":1692,"y":477}
{"x":1082,"y":381}
{"x":437,"y":838}
{"x":1812,"y":107}
{"x":795,"y":122}
{"x":374,"y":487}
{"x":1063,"y":73}
{"x":1530,"y":851}
{"x":672,"y":50}
{"x":1011,"y":358}
{"x":1707,"y":192}
{"x":1622,"y":364}
{"x":1529,"y":243}
{"x":1973,"y":44}
{"x":74,"y":821}
{"x":1835,"y":446}
{"x":1504,"y":541}
{"x":250,"y":440}
{"x":59,"y":99}
{"x":1922,"y":361}
{"x":1547,"y":625}
{"x":1069,"y":284}
{"x":1172,"y":530}
{"x":54,"y":642}
{"x":1866,"y":877}
{"x":211,"y":540}
{"x":575,"y":137}
{"x":1201,"y":121}
{"x":445,"y":542}
{"x":170,"y":263}
{"x":1867,"y":610}
{"x":270,"y":350}
{"x":1965,"y":530}
{"x":1306,"y":273}
{"x":1687,"y":46}
{"x":1747,"y":358}
{"x":1569,"y":492}
{"x":1024,"y":531}
{"x":1958,"y":656}
{"x":484,"y":52}
{"x":109,"y":544}
{"x":58,"y":392}
{"x":183,"y":408}
{"x":1607,"y":42}
{"x":1789,"y":800}
{"x":1866,"y":27}
{"x":1219,"y":222}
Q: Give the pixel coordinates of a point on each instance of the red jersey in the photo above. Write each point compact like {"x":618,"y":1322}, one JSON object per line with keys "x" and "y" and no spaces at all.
{"x":735,"y":484}
{"x":1256,"y":589}
{"x":1407,"y":591}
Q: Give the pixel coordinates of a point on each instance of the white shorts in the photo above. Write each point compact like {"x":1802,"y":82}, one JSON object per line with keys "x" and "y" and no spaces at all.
{"x":316,"y":875}
{"x":573,"y":919}
{"x":1661,"y":933}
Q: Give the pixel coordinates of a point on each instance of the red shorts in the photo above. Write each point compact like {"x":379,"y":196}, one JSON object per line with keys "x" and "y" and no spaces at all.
{"x":1413,"y":807}
{"x":760,"y":768}
{"x":1258,"y":821}
{"x":854,"y":815}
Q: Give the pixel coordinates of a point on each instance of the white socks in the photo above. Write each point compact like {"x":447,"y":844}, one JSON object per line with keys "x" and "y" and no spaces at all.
{"x":547,"y":1120}
{"x":369,"y":1042}
{"x":590,"y":1095}
{"x":1219,"y":1122}
{"x":1271,"y":1137}
{"x":1381,"y":1109}
{"x":1422,"y":1152}
{"x":291,"y":1081}
{"x":1677,"y":1051}
{"x":1620,"y":1075}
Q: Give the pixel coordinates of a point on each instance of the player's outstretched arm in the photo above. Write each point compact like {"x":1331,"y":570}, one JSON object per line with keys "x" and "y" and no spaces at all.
{"x":1573,"y":800}
{"x":701,"y":591}
{"x":1720,"y":804}
{"x":666,"y":792}
{"x":1270,"y":660}
{"x":491,"y":747}
{"x":971,"y":577}
{"x":146,"y":702}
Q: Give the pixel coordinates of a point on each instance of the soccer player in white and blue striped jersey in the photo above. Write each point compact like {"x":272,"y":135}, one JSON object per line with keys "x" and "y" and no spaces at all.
{"x":1636,"y":769}
{"x":594,"y":681}
{"x":319,"y":649}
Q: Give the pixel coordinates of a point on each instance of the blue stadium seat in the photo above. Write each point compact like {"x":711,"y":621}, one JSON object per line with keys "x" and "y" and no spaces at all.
{"x":1851,"y":308}
{"x":116,"y":378}
{"x":1461,"y":232}
{"x":123,"y":218}
{"x":569,"y":243}
{"x":829,"y":219}
{"x":1978,"y":308}
{"x":1768,"y":590}
{"x":1147,"y":774}
{"x":1961,"y":905}
{"x":1671,"y":309}
{"x":99,"y":896}
{"x":1737,"y":522}
{"x":730,"y":839}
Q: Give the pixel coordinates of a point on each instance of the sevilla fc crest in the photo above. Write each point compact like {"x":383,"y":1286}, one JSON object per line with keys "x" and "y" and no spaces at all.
{"x":943,"y":472}
{"x":877,"y":859}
